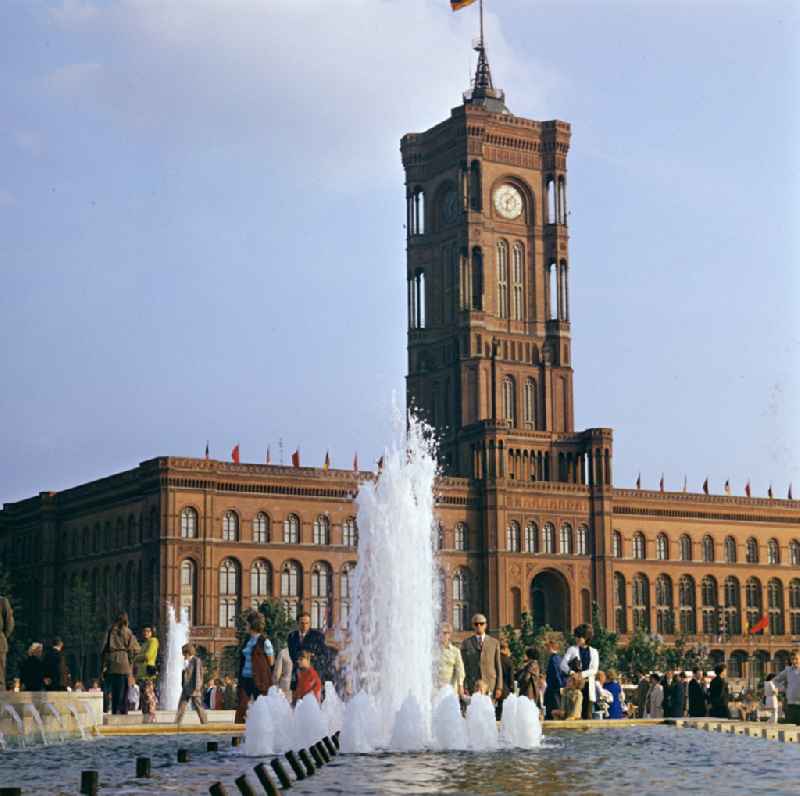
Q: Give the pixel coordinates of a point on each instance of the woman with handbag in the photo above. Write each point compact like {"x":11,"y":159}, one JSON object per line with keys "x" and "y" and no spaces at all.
{"x":144,"y":664}
{"x":118,"y":653}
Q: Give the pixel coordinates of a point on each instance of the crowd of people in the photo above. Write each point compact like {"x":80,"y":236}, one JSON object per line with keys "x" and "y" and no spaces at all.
{"x":568,"y":685}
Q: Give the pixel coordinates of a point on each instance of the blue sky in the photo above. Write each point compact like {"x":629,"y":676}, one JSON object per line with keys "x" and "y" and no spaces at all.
{"x":201,"y":210}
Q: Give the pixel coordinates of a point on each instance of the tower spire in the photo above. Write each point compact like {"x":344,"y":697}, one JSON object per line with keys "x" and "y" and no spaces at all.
{"x":483,"y":92}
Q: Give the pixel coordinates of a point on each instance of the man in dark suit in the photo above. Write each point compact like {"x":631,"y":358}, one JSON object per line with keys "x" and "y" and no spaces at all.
{"x":481,"y":654}
{"x":308,"y":640}
{"x":698,"y":698}
{"x":6,"y":629}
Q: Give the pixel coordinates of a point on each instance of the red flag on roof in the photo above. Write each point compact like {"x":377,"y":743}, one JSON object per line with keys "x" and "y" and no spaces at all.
{"x":661,"y":483}
{"x":296,"y":458}
{"x":235,"y":453}
{"x":747,"y":488}
{"x":769,"y":492}
{"x":705,"y":486}
{"x":762,"y":624}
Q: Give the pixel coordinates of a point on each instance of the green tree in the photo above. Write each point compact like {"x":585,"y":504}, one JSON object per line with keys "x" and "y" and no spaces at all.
{"x":83,"y":627}
{"x":528,"y":635}
{"x":603,"y":640}
{"x":642,"y":654}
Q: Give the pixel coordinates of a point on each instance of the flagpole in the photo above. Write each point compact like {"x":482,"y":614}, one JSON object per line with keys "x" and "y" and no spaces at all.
{"x":481,"y":4}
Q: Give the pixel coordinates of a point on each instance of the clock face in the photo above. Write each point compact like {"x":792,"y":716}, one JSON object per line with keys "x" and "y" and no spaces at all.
{"x":450,"y":208}
{"x":508,"y":201}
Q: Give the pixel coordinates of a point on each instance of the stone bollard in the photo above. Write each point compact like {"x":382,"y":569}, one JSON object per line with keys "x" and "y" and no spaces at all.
{"x":299,"y":771}
{"x":142,"y":767}
{"x":218,"y":789}
{"x":89,"y":780}
{"x":236,"y":740}
{"x":280,"y":773}
{"x":329,"y":746}
{"x":326,"y":758}
{"x":306,"y":758}
{"x":266,"y":782}
{"x":245,"y":788}
{"x":10,"y":791}
{"x":183,"y":755}
{"x":212,"y":746}
{"x":318,"y":761}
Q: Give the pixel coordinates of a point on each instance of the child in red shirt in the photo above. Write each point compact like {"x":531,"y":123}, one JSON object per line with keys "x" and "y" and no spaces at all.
{"x":307,"y":678}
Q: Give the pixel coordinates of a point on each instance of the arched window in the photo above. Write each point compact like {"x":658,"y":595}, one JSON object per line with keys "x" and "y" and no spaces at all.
{"x":96,"y":538}
{"x":754,"y":601}
{"x":512,"y":537}
{"x":350,"y":532}
{"x":620,"y":603}
{"x":230,"y":527}
{"x":751,"y":551}
{"x":531,"y":538}
{"x":460,"y":536}
{"x":438,"y":539}
{"x":708,"y":588}
{"x":291,"y":587}
{"x":229,"y":592}
{"x":730,"y":550}
{"x":502,"y":279}
{"x":773,"y":552}
{"x":639,"y":546}
{"x":321,"y":589}
{"x":189,"y":523}
{"x":582,"y":547}
{"x":708,"y":549}
{"x":616,"y":544}
{"x":665,"y":614}
{"x":509,"y":402}
{"x":529,"y":399}
{"x":565,"y":540}
{"x":517,"y":272}
{"x":736,"y":663}
{"x":260,"y":582}
{"x":640,"y":597}
{"x":733,"y":606}
{"x":794,"y":553}
{"x":291,"y":529}
{"x":551,"y":200}
{"x":548,"y":539}
{"x":686,"y":548}
{"x":261,"y":528}
{"x":552,"y":292}
{"x":346,"y":593}
{"x":794,"y":606}
{"x":460,"y":602}
{"x":188,"y":590}
{"x":475,"y":197}
{"x":777,"y":626}
{"x":686,"y":603}
{"x":662,"y":547}
{"x":322,"y":532}
{"x":477,"y":278}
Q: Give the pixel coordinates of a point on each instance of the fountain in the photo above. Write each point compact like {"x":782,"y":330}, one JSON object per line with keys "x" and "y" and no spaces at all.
{"x":15,"y":717}
{"x":49,"y":706}
{"x":75,"y":715}
{"x":37,"y":718}
{"x":392,"y":652}
{"x":177,"y":636}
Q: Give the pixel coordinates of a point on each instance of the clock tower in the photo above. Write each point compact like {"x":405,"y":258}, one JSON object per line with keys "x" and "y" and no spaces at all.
{"x":488,"y":270}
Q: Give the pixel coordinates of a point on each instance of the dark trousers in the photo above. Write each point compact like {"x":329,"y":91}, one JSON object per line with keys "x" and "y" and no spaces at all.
{"x":588,"y":707}
{"x":2,"y":671}
{"x":247,"y":691}
{"x":119,"y":693}
{"x":792,"y":714}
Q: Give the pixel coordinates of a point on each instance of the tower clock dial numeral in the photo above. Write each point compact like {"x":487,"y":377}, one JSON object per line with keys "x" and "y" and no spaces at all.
{"x":508,"y":201}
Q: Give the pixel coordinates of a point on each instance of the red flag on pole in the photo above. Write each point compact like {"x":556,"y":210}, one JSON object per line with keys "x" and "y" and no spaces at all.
{"x":705,"y":486}
{"x":327,"y":465}
{"x":762,"y":624}
{"x":769,"y":492}
{"x":235,"y":453}
{"x":296,"y":458}
{"x":639,"y":481}
{"x":355,"y":462}
{"x":661,"y":483}
{"x":747,"y":488}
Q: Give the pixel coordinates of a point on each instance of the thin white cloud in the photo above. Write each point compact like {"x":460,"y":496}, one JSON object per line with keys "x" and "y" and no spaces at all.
{"x":340,"y":81}
{"x":7,"y":199}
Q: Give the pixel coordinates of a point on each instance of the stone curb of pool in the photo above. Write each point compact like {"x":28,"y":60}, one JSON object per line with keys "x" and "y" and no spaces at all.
{"x":784,"y":733}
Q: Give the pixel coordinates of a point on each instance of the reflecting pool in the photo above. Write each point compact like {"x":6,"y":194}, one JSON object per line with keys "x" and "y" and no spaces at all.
{"x":634,"y":760}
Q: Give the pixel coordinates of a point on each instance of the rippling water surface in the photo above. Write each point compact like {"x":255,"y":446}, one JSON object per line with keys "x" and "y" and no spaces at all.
{"x":635,"y":760}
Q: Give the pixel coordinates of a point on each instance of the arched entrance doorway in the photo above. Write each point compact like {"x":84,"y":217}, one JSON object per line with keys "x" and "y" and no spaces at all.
{"x":550,"y":600}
